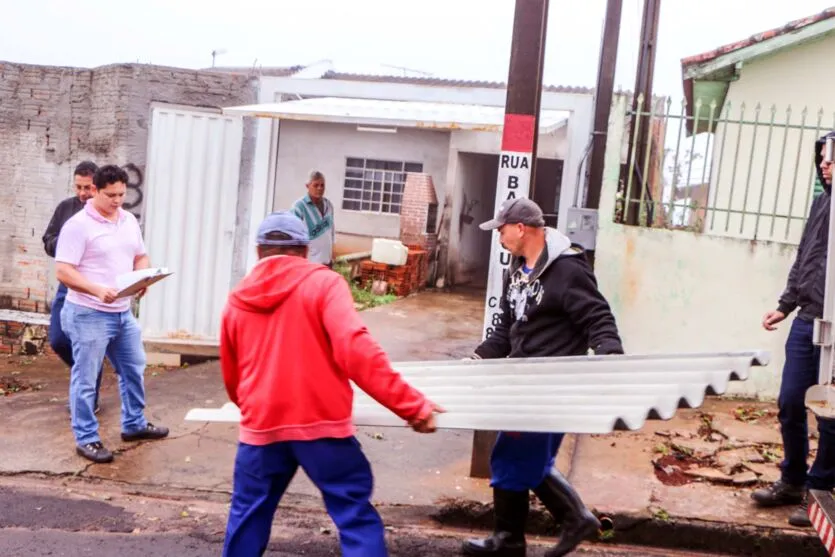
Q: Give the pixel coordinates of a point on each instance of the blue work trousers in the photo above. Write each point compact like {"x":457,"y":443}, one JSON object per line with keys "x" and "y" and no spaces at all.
{"x":339,"y":470}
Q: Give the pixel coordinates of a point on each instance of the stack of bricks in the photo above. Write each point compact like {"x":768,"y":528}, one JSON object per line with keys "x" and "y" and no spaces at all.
{"x":402,"y":280}
{"x":415,"y":212}
{"x":22,"y":338}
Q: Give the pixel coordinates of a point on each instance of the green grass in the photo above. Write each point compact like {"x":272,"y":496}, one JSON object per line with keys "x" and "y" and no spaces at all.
{"x":363,"y":297}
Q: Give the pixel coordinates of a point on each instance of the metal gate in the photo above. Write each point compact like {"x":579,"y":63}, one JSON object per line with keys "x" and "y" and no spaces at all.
{"x":189,"y":220}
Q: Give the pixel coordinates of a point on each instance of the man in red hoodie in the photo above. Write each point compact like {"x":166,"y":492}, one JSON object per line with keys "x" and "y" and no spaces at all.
{"x":291,"y":341}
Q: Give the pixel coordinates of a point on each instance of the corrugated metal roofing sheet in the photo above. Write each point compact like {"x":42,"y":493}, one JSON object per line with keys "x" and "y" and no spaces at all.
{"x":441,"y":82}
{"x":369,"y":112}
{"x":595,"y":394}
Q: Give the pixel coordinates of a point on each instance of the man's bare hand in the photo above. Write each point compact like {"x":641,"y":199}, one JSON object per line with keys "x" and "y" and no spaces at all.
{"x":141,"y":293}
{"x":106,"y":295}
{"x":427,"y":425}
{"x":771,"y":318}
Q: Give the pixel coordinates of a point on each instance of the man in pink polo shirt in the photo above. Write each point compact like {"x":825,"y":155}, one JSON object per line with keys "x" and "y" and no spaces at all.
{"x":96,"y":245}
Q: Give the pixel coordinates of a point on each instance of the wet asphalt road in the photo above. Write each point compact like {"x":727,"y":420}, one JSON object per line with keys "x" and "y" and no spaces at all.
{"x":57,"y":522}
{"x":24,"y":543}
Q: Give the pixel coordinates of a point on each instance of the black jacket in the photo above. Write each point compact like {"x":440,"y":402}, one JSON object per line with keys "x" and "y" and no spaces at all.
{"x":557,"y":310}
{"x":807,"y":278}
{"x":62,"y":214}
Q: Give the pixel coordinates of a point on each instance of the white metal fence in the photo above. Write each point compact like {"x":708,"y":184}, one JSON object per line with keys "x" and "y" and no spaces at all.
{"x":740,"y":171}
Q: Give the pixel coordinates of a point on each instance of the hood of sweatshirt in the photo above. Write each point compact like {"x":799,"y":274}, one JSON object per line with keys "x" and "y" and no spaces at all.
{"x":271,"y":282}
{"x":557,"y":245}
{"x":818,"y":159}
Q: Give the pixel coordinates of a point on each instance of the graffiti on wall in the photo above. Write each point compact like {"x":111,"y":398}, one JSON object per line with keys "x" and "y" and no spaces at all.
{"x":134,"y":196}
{"x":466,"y":217}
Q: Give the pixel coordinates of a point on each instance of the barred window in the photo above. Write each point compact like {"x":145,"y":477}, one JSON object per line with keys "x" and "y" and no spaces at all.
{"x":376,"y":186}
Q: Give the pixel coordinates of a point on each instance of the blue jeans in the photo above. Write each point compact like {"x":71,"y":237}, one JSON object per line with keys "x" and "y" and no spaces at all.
{"x":59,"y":342}
{"x":336,"y":466}
{"x":95,"y":334}
{"x":799,"y":373}
{"x":520,"y":461}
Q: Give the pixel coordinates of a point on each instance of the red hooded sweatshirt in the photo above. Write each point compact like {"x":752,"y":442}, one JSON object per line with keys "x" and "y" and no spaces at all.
{"x":290,"y":342}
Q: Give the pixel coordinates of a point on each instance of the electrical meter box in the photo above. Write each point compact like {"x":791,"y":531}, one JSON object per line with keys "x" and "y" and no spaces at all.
{"x":582,"y":227}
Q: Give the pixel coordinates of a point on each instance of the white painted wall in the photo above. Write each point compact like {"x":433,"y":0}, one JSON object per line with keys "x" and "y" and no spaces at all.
{"x":798,"y":78}
{"x":678,"y":291}
{"x":307,"y":146}
{"x":553,"y":145}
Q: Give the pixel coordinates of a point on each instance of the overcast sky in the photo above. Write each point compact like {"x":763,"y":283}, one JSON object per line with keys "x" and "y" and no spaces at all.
{"x":468,"y":39}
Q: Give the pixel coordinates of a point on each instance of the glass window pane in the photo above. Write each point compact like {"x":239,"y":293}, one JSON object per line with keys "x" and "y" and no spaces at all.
{"x":350,"y":205}
{"x":353,"y":173}
{"x":394,"y":165}
{"x":375,"y":164}
{"x":353,"y":162}
{"x":414,"y":167}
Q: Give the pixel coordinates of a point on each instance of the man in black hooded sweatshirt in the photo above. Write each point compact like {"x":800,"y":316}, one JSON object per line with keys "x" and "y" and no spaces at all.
{"x":550,"y":307}
{"x":805,"y":289}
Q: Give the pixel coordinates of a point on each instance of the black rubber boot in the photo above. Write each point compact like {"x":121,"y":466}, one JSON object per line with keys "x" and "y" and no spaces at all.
{"x":566,"y":506}
{"x":508,"y":540}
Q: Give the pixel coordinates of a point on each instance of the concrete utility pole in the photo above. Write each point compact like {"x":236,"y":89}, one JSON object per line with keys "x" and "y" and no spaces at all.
{"x":517,"y":164}
{"x":643,"y":86}
{"x":603,"y":100}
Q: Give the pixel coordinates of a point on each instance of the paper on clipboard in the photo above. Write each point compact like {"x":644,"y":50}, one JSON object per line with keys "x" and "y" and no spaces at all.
{"x":131,"y":283}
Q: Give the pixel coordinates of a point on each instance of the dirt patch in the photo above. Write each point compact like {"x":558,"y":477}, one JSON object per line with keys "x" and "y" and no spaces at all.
{"x":671,"y":469}
{"x":753,"y":414}
{"x":12,"y":385}
{"x":703,"y":452}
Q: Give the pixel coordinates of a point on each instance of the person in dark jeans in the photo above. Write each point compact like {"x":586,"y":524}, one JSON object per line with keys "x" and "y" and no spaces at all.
{"x":550,"y":307}
{"x":83,"y":182}
{"x":805,"y":289}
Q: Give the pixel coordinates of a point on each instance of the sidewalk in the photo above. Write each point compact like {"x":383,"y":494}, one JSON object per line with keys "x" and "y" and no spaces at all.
{"x":684,"y":483}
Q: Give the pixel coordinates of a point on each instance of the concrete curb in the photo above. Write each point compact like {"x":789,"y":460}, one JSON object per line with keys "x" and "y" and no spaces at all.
{"x":640,"y":529}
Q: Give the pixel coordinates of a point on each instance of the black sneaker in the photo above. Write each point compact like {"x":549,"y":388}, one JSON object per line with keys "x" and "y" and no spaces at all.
{"x":800,"y":516}
{"x":149,"y":433}
{"x":779,"y":493}
{"x":95,"y":452}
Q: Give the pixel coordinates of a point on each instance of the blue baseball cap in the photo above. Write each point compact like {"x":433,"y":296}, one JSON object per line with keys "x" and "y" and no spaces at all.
{"x":285,"y":224}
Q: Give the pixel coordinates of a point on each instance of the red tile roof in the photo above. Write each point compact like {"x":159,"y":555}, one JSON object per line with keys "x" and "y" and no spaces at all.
{"x":790,"y":27}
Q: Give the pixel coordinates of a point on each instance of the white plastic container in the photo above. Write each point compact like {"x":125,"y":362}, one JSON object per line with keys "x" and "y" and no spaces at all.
{"x":390,"y":252}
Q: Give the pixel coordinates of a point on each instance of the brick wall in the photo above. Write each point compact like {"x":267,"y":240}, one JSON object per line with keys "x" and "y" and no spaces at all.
{"x":418,"y":196}
{"x":17,"y":337}
{"x":53,"y":117}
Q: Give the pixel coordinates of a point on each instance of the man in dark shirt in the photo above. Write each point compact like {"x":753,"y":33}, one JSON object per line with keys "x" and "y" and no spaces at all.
{"x":550,"y":307}
{"x":83,"y":181}
{"x":804,"y":291}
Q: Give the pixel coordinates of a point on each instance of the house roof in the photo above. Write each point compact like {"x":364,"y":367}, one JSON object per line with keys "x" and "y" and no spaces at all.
{"x":367,"y":112}
{"x":789,"y":28}
{"x":272,"y":71}
{"x":708,"y":75}
{"x":440,"y":82}
{"x":285,"y":71}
